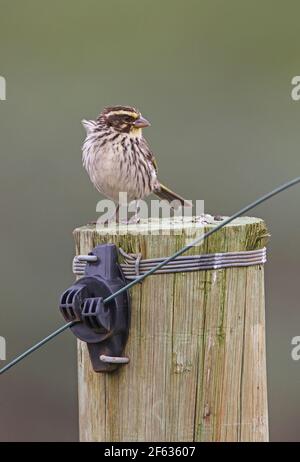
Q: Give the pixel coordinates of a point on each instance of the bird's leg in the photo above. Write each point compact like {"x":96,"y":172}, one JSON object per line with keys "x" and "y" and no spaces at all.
{"x":115,"y":217}
{"x":136,"y":217}
{"x":106,"y":220}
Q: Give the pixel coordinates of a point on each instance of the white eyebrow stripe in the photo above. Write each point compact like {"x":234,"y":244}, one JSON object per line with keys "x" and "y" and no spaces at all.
{"x":123,"y":112}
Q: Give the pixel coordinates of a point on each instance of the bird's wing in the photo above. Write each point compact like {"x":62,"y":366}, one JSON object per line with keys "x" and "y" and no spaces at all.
{"x":149,"y":154}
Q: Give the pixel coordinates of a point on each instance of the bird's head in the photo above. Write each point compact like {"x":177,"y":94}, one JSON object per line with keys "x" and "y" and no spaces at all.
{"x":124,"y":119}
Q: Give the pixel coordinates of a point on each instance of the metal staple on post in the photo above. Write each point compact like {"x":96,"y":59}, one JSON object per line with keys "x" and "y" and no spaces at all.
{"x":114,"y":359}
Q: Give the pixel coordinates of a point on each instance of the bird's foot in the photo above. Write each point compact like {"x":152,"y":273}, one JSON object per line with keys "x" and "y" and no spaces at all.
{"x":130,"y":221}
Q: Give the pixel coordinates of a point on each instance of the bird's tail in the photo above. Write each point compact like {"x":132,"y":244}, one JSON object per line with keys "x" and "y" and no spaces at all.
{"x":165,"y":193}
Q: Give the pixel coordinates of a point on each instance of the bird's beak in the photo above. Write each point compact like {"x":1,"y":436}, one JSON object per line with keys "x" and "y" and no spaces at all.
{"x":141,"y":123}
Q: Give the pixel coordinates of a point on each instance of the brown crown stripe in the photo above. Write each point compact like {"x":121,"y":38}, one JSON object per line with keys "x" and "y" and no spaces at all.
{"x":119,"y":111}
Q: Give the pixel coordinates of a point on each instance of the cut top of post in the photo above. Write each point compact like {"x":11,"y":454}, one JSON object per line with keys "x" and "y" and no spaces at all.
{"x":244,"y":233}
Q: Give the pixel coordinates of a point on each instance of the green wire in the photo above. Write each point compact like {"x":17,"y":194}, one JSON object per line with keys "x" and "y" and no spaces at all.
{"x":204,"y":236}
{"x":199,"y":239}
{"x":37,"y":346}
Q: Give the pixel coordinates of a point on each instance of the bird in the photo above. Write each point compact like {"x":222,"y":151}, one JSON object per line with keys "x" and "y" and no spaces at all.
{"x":118,"y":158}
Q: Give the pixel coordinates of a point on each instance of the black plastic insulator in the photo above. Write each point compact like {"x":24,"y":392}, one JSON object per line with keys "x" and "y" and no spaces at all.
{"x":103,"y":326}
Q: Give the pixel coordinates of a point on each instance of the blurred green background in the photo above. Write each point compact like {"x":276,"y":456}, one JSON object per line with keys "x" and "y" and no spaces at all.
{"x":214,"y":78}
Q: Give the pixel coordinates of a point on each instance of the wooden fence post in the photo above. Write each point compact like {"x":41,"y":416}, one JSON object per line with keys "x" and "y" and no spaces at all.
{"x":197,"y":368}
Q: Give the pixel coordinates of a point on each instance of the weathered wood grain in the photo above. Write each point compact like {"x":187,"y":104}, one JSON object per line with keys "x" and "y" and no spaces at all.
{"x":197,"y":368}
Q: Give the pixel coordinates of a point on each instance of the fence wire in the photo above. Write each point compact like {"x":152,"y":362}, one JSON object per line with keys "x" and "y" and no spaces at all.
{"x":139,"y":279}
